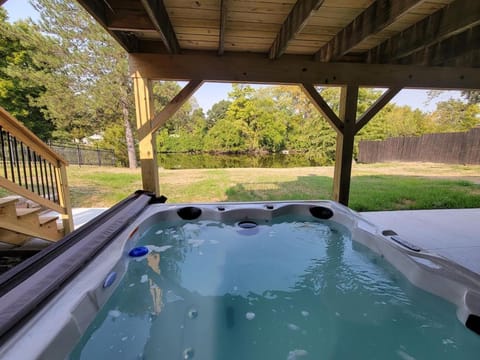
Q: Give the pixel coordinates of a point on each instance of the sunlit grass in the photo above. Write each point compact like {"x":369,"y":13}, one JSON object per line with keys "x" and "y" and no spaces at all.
{"x":374,"y":187}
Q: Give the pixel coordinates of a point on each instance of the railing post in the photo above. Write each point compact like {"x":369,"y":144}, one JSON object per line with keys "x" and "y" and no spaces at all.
{"x":99,"y":157}
{"x":64,"y":198}
{"x":79,"y":156}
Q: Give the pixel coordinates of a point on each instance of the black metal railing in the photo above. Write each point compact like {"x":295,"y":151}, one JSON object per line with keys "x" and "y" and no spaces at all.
{"x":31,"y":169}
{"x":26,"y":168}
{"x":80,"y":155}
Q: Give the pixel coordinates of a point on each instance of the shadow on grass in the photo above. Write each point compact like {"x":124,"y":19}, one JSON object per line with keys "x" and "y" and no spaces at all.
{"x":367,"y":193}
{"x":304,"y":188}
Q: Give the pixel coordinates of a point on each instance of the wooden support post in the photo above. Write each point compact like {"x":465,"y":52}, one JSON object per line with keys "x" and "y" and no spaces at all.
{"x":344,"y":153}
{"x":147,"y":145}
{"x":64,"y":197}
{"x":346,"y":126}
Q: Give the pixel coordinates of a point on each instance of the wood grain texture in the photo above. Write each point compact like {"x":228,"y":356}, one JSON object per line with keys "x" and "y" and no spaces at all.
{"x":450,"y":20}
{"x":293,"y":69}
{"x":293,"y":25}
{"x":374,"y":19}
{"x":158,"y":15}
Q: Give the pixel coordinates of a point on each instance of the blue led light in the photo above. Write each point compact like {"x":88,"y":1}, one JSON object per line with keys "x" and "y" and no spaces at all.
{"x":110,"y":279}
{"x":138,"y":251}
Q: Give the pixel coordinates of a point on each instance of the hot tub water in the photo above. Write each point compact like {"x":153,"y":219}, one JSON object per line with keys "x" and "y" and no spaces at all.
{"x":291,"y":288}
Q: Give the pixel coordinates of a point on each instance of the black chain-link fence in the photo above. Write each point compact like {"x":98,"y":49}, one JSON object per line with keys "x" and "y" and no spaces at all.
{"x":85,"y":155}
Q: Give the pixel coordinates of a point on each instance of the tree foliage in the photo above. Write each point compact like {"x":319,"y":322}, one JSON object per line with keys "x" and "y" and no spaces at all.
{"x":78,"y":74}
{"x":282,"y":118}
{"x":22,"y":64}
{"x":455,"y":115}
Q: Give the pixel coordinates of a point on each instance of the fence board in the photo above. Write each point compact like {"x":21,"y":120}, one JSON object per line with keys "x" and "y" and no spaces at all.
{"x":448,"y":148}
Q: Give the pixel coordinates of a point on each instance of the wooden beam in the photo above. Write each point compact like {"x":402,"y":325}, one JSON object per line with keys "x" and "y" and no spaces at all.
{"x":99,"y":11}
{"x":344,"y":152}
{"x":376,"y":107}
{"x":469,"y":59}
{"x":375,"y":18}
{"x":129,"y":20}
{"x":293,"y":24}
{"x":442,"y":52}
{"x":323,"y":107}
{"x":294,"y":69}
{"x":20,"y":190}
{"x":127,"y":40}
{"x":169,"y":110}
{"x":452,"y":19}
{"x":158,"y":15}
{"x":147,"y":145}
{"x":223,"y":26}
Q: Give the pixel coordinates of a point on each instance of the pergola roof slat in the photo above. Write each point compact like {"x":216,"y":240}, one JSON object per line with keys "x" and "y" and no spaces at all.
{"x":448,"y":21}
{"x":158,"y":15}
{"x":375,"y":18}
{"x":408,"y":34}
{"x":293,"y":24}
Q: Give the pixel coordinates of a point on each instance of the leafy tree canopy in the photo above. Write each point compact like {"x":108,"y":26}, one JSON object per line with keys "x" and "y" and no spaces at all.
{"x":21,"y":67}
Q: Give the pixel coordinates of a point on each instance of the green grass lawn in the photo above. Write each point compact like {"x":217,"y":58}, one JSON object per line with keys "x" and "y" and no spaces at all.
{"x":374,"y":187}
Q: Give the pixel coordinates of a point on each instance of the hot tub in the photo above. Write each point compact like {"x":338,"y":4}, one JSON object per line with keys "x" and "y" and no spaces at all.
{"x":275,"y":280}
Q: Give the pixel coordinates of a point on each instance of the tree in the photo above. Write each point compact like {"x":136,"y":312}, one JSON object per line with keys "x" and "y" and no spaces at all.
{"x":472,"y":96}
{"x":185,"y":130}
{"x":217,"y":112}
{"x":92,"y":89}
{"x":20,"y":62}
{"x":306,"y":130}
{"x":455,"y":115}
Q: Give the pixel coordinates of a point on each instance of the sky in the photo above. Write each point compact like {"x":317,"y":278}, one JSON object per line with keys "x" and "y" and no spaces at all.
{"x":210,"y":93}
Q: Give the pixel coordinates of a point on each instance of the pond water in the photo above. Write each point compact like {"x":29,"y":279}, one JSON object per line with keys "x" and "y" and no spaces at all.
{"x":205,"y":161}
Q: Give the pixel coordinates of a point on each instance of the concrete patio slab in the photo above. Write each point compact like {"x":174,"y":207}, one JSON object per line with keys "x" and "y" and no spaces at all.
{"x":83,"y":215}
{"x":453,"y":234}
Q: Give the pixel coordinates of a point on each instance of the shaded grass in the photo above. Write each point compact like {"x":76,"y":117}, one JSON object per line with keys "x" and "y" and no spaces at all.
{"x":442,"y":188}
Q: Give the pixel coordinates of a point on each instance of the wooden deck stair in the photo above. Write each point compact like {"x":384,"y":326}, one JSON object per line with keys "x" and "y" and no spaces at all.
{"x":20,"y":221}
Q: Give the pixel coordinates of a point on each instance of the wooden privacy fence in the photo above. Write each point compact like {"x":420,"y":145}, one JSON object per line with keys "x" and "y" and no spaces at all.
{"x":449,"y":148}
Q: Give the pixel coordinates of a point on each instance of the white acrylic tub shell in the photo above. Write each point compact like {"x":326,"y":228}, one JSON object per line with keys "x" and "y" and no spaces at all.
{"x":55,"y":329}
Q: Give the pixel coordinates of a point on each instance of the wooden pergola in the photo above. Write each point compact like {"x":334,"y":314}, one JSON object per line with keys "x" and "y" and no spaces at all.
{"x":394,"y":44}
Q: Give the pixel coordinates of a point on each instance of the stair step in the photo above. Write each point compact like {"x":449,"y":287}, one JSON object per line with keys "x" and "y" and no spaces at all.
{"x":7,"y":207}
{"x":24,"y":212}
{"x":25,"y":222}
{"x":45,"y":219}
{"x":9,"y":199}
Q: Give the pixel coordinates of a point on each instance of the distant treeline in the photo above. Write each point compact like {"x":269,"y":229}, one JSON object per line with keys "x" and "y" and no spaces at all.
{"x":278,"y":118}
